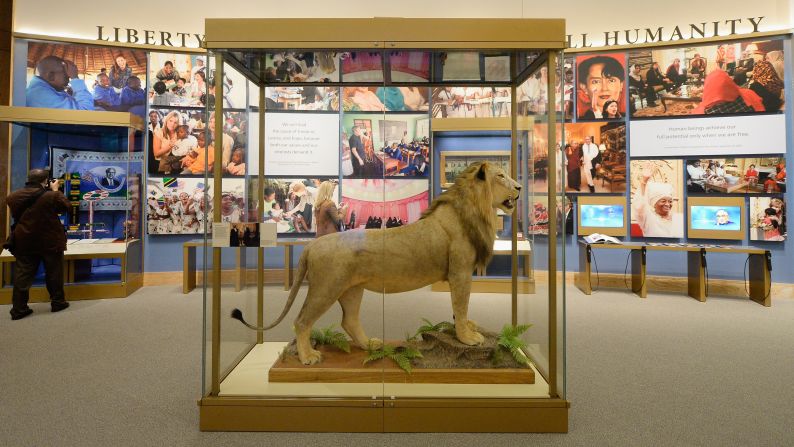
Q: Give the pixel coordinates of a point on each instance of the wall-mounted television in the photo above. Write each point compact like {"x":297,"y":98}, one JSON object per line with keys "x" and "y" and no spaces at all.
{"x":716,"y":218}
{"x":602,"y":214}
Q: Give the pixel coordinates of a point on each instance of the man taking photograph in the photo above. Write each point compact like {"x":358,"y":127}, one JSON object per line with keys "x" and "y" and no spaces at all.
{"x":38,"y":236}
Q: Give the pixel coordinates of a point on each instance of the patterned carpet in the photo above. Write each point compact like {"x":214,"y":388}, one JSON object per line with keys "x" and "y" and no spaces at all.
{"x":666,"y":370}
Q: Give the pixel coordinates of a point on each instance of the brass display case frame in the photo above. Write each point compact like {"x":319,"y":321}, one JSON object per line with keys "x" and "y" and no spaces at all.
{"x":218,"y":413}
{"x":133,"y":253}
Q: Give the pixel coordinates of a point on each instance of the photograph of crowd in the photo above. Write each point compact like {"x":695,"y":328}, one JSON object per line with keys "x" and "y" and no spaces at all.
{"x":291,"y":203}
{"x":471,"y":102}
{"x":390,"y":99}
{"x":455,"y":162}
{"x":302,"y":98}
{"x":409,"y":66}
{"x":397,"y":146}
{"x":736,"y":175}
{"x":601,"y":90}
{"x":178,"y":142}
{"x":741,"y":77}
{"x":244,"y":235}
{"x":78,"y":77}
{"x":383,"y":203}
{"x":594,"y":157}
{"x":177,"y":206}
{"x":318,"y":66}
{"x":767,"y":219}
{"x":656,"y":198}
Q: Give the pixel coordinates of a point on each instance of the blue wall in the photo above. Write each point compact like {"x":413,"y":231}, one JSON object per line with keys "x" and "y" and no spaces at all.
{"x":164,"y":253}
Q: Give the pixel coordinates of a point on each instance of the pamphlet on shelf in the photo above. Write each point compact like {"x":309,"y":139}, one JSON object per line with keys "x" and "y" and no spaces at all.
{"x":598,"y":238}
{"x":86,"y":241}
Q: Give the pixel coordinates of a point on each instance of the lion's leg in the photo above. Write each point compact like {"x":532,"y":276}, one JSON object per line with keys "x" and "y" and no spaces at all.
{"x":316,"y":304}
{"x":460,"y":288}
{"x":351,"y":323}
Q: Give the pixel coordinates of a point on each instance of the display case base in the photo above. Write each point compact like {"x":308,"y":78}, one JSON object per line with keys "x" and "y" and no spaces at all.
{"x":342,"y":367}
{"x":385,"y":415}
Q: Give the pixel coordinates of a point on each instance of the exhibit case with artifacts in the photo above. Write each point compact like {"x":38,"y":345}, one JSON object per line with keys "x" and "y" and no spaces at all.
{"x":386,"y":178}
{"x":98,"y":158}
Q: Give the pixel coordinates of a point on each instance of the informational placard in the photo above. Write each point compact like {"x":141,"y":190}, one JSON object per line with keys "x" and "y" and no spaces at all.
{"x":717,"y":136}
{"x":301,"y":144}
{"x":267,"y":234}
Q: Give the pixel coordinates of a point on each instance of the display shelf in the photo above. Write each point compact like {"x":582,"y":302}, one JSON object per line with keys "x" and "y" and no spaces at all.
{"x":88,"y":120}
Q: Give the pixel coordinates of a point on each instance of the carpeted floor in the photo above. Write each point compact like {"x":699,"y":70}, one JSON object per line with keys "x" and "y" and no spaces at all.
{"x":667,"y":370}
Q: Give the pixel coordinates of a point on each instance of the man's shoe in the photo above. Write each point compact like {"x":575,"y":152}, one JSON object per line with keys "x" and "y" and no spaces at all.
{"x":20,"y":314}
{"x":58,"y":306}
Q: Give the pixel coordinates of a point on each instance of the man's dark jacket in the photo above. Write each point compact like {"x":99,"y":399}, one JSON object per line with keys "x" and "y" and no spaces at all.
{"x":39,"y":231}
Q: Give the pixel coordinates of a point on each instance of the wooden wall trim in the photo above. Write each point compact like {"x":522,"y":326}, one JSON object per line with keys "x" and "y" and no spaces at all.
{"x":612,"y":281}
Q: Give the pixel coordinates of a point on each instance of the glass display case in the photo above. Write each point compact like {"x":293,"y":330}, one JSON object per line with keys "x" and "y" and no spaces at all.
{"x":98,"y":157}
{"x":388,"y":171}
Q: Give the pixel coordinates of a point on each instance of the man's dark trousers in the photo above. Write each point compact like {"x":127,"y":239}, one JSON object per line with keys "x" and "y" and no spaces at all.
{"x":25,"y":271}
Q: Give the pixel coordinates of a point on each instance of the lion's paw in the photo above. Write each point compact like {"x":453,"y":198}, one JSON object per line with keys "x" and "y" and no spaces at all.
{"x":374,"y":343}
{"x":472,"y":325}
{"x":312,"y":357}
{"x":471,"y":338}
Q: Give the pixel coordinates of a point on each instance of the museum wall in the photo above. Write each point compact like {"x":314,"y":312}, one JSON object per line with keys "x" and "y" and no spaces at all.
{"x":163,"y":253}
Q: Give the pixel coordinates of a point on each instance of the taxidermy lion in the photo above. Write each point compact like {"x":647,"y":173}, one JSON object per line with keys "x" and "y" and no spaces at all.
{"x":456,"y":234}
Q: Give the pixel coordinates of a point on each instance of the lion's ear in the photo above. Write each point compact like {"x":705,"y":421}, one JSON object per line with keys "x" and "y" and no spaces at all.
{"x":481,"y":172}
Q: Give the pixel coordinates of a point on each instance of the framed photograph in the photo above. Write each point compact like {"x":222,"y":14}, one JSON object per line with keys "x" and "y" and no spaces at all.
{"x":472,"y":102}
{"x":656,"y":198}
{"x":289,"y":203}
{"x":178,"y":143}
{"x":410,"y":66}
{"x":736,"y":175}
{"x":314,"y":98}
{"x":391,"y":145}
{"x":600,"y":83}
{"x":768,"y":219}
{"x":594,"y":157}
{"x":455,"y":162}
{"x":109,"y":78}
{"x":383,"y":203}
{"x":178,"y":80}
{"x":726,"y":78}
{"x":293,"y":66}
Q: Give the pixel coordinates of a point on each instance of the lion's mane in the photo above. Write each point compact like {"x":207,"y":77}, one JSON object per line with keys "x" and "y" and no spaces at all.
{"x":471,"y":199}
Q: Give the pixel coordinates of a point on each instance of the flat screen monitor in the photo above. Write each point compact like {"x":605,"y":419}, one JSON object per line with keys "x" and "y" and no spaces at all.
{"x":716,"y":218}
{"x":602,"y":214}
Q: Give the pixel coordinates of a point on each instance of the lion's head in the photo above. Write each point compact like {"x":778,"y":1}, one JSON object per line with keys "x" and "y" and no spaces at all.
{"x":476,"y":192}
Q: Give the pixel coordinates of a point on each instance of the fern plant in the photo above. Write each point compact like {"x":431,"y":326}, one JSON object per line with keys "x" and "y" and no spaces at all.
{"x":509,"y":339}
{"x":331,"y":337}
{"x":444,"y":326}
{"x":401,"y":355}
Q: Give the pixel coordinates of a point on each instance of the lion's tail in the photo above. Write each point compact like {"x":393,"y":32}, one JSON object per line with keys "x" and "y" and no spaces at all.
{"x":237,"y":314}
